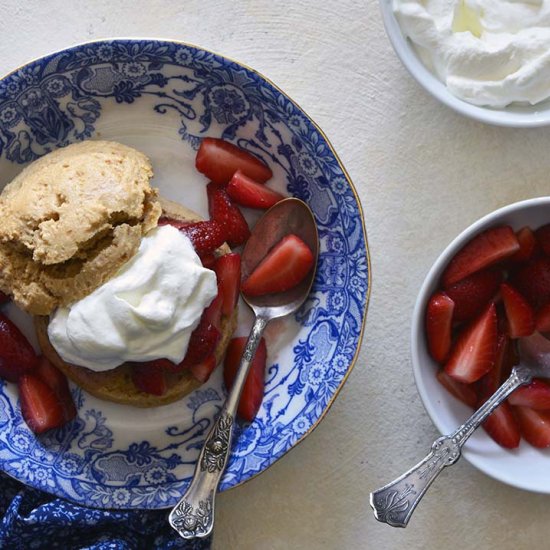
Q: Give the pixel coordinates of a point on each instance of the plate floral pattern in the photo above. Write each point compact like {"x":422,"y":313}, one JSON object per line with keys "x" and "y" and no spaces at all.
{"x":99,"y":460}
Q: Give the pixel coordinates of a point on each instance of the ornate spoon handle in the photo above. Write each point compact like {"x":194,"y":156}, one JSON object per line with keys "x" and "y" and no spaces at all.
{"x":394,"y":503}
{"x":193,"y":515}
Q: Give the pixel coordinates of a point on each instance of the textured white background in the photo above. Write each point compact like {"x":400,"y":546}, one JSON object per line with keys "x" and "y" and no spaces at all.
{"x":423,"y":174}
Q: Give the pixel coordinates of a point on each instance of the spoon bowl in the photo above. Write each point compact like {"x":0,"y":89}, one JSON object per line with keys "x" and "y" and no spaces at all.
{"x":193,"y":516}
{"x":287,"y":216}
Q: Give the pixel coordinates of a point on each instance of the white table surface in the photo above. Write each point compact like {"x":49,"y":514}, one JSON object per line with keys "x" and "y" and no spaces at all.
{"x":423,"y":173}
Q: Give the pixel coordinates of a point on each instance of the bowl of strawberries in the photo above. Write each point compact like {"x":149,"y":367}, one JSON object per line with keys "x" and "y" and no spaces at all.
{"x":489,"y":288}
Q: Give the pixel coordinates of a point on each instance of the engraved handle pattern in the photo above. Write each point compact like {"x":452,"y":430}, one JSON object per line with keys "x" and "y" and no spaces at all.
{"x":394,"y":503}
{"x":193,"y":515}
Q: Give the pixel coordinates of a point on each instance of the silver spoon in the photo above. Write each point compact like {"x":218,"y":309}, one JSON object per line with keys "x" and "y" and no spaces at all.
{"x":395,"y":503}
{"x":193,"y":516}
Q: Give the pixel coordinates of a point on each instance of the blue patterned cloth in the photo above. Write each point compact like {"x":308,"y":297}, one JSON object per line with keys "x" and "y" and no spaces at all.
{"x":32,"y":519}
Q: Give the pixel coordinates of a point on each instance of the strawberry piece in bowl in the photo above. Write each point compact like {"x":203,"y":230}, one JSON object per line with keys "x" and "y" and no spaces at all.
{"x":439,"y":316}
{"x":535,"y":426}
{"x":246,"y":192}
{"x":474,"y":352}
{"x":484,"y":250}
{"x":17,"y":357}
{"x":520,"y":315}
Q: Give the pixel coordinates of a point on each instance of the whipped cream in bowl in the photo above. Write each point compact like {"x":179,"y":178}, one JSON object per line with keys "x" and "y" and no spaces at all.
{"x":487,"y":59}
{"x":147,"y":311}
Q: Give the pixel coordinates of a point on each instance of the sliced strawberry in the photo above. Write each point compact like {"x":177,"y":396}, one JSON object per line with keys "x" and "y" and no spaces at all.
{"x":228,"y":272}
{"x":149,"y":378}
{"x":542,"y":319}
{"x":57,"y":381}
{"x":202,"y":371}
{"x":162,"y":364}
{"x":542,"y":235}
{"x":246,"y":192}
{"x":439,"y":314}
{"x":224,"y":212}
{"x":40,"y":406}
{"x":473,"y":293}
{"x":533,"y":281}
{"x":535,"y":426}
{"x":503,"y":427}
{"x":208,"y":260}
{"x":527,"y":245}
{"x":474,"y":352}
{"x":213,"y":313}
{"x":206,"y":236}
{"x":253,"y":391}
{"x":218,"y":160}
{"x":16,"y":354}
{"x":484,"y":250}
{"x":202,"y":343}
{"x":520,"y":315}
{"x":504,"y":362}
{"x":463,"y":392}
{"x":536,"y":395}
{"x":285,"y":265}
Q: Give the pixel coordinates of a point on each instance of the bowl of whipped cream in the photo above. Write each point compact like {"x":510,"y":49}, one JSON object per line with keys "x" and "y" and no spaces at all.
{"x":486,"y":59}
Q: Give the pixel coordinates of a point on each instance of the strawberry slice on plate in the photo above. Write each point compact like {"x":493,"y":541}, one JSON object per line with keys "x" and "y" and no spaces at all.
{"x":520,"y":315}
{"x":439,"y":315}
{"x":205,"y":236}
{"x":202,"y":371}
{"x":535,"y":426}
{"x":202,"y":343}
{"x":218,"y":160}
{"x":285,"y":266}
{"x":17,"y":356}
{"x":473,"y":293}
{"x":225,"y":213}
{"x":535,"y":395}
{"x":486,"y":249}
{"x":253,"y":391}
{"x":246,"y":192}
{"x":503,"y":427}
{"x":228,"y":272}
{"x":474,"y":352}
{"x":57,"y":381}
{"x":533,"y":281}
{"x":504,"y":361}
{"x":463,"y":392}
{"x":40,"y":406}
{"x":149,"y":377}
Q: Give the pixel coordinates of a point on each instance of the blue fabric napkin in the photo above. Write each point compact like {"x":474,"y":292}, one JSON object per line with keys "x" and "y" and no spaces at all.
{"x":32,"y":519}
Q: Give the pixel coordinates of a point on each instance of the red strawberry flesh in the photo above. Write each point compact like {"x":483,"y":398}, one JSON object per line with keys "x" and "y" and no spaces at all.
{"x":57,"y":381}
{"x":542,"y":235}
{"x":40,"y":406}
{"x":218,"y":160}
{"x":206,"y":236}
{"x":484,"y":250}
{"x":535,"y":395}
{"x":228,"y":272}
{"x":285,"y":266}
{"x":253,"y":391}
{"x":520,"y":315}
{"x":463,"y":392}
{"x":527,"y":245}
{"x":474,"y":352}
{"x":439,"y":315}
{"x":503,"y":427}
{"x":535,"y":426}
{"x":17,"y":356}
{"x":533,"y":281}
{"x":473,"y":293}
{"x":149,"y":378}
{"x":246,"y":192}
{"x":227,"y":215}
{"x":202,"y":371}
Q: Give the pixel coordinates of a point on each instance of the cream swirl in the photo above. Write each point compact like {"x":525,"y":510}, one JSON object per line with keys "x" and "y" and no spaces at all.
{"x":146,"y":311}
{"x":487,"y":52}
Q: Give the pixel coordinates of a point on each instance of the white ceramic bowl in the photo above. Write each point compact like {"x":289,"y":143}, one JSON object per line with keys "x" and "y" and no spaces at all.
{"x":518,"y":116}
{"x":524,"y":467}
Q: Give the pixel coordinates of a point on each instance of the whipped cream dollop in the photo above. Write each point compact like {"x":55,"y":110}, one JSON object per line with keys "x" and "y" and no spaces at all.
{"x":146,"y":311}
{"x":487,"y":52}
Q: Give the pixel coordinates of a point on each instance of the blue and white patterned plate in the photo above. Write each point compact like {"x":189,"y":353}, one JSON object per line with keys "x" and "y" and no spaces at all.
{"x":163,"y":97}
